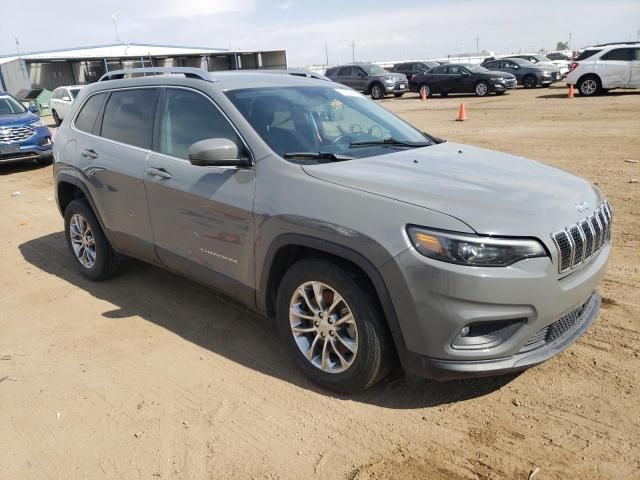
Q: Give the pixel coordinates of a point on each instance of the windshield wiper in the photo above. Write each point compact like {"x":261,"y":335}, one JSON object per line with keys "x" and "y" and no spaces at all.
{"x":332,"y":157}
{"x":388,"y":141}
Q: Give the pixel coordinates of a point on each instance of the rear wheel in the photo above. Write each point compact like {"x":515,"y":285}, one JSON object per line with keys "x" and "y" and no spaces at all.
{"x":56,"y":118}
{"x":87,"y":242}
{"x":332,"y":326}
{"x":589,"y":85}
{"x":377,"y":91}
{"x":444,"y":94}
{"x":482,"y":88}
{"x":529,"y":81}
{"x":427,"y":90}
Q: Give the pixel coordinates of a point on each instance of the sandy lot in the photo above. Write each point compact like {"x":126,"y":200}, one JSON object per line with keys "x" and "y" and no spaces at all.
{"x":153,"y":376}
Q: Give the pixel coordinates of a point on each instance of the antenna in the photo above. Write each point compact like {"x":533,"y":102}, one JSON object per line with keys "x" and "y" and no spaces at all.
{"x":115,"y":27}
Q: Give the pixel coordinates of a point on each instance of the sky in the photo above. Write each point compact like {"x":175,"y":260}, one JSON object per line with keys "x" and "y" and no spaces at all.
{"x":381,"y":30}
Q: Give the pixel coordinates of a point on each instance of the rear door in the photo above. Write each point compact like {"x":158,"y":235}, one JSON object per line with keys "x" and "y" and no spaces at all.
{"x":617,"y":67}
{"x":202,"y":216}
{"x":346,"y":76}
{"x":437,"y":79}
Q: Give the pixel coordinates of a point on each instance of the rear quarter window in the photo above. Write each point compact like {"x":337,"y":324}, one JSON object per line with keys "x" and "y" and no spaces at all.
{"x":586,"y":54}
{"x":86,"y":119}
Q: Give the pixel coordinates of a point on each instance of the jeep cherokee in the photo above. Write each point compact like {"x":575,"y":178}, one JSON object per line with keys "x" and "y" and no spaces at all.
{"x":368,"y":240}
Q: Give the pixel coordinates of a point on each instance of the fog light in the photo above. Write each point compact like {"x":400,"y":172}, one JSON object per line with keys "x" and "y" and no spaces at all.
{"x":485,"y":335}
{"x":464,"y":332}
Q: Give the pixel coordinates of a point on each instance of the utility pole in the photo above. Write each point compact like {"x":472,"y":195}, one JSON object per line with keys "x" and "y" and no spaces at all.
{"x":115,"y":27}
{"x":570,"y":35}
{"x":326,"y":54}
{"x":17,"y":46}
{"x":353,"y":51}
{"x":638,"y":36}
{"x":477,"y":45}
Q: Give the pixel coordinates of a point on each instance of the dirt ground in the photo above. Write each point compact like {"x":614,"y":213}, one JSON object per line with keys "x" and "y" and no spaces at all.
{"x":153,"y":376}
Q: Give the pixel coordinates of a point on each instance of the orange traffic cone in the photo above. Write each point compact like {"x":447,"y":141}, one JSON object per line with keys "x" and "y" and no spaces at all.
{"x":462,"y":115}
{"x":423,"y":94}
{"x":570,"y":94}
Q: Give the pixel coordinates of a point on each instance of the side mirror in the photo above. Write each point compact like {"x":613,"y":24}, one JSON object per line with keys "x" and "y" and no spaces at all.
{"x":33,"y":108}
{"x":66,"y":99}
{"x":465,"y":74}
{"x":361,"y":74}
{"x":216,"y":152}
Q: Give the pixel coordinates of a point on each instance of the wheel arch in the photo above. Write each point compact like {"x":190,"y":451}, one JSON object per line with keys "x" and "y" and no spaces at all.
{"x":286,"y":249}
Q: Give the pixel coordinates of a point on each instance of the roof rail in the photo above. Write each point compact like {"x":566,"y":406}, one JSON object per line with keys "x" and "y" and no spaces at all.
{"x":616,"y":43}
{"x":188,"y":72}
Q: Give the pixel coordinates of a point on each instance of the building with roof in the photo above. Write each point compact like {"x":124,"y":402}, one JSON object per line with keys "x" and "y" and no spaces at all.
{"x":82,"y":65}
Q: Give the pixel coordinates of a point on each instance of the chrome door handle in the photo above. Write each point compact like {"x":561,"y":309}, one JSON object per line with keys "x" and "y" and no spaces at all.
{"x":89,"y":153}
{"x":159,"y":172}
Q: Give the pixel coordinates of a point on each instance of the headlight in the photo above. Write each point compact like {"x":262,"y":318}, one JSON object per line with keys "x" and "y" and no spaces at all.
{"x":497,"y":79}
{"x":546,"y":74}
{"x":37,"y":123}
{"x":474,"y":250}
{"x":390,"y":80}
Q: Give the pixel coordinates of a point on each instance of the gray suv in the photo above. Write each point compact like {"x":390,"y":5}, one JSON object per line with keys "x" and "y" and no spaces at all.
{"x":369,"y":241}
{"x":370,"y":79}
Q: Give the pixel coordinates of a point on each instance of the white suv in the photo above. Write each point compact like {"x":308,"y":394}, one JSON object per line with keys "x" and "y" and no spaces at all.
{"x":61,"y":100}
{"x":602,"y":67}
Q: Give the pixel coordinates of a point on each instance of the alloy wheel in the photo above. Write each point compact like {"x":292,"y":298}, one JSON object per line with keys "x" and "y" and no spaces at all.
{"x":82,"y":241}
{"x":481,"y":89}
{"x":588,"y":87}
{"x":323,"y":327}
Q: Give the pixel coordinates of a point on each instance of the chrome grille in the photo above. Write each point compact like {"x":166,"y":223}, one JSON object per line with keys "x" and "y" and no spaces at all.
{"x":15,"y":134}
{"x":579,"y":242}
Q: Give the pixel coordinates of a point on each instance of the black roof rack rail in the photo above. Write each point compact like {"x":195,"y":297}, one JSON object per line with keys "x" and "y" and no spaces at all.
{"x":188,"y":72}
{"x":616,"y":43}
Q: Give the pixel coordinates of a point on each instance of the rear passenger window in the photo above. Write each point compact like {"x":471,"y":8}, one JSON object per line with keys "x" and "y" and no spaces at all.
{"x":188,"y":117}
{"x":128,"y":117}
{"x":623,"y":54}
{"x":86,"y":119}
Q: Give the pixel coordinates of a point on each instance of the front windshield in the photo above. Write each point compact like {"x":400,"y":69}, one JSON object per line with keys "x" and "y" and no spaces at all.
{"x":374,"y":70}
{"x":477,"y":69}
{"x":540,"y":58}
{"x":74,"y":92}
{"x":327,"y":119}
{"x":10,"y":106}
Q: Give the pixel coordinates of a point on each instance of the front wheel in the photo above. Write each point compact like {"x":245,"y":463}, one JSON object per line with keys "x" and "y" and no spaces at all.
{"x":332,"y":326}
{"x":56,"y":118}
{"x":529,"y":81}
{"x":88,"y":245}
{"x":377,"y":91}
{"x":482,"y":88}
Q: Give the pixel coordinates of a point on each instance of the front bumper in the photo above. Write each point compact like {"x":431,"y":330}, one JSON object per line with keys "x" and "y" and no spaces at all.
{"x":434,"y":301}
{"x":397,"y":87}
{"x":37,"y":147}
{"x":441,"y":370}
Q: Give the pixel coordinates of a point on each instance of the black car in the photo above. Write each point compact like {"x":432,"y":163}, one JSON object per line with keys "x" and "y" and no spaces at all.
{"x":528,"y":74}
{"x":462,"y":78}
{"x":413,"y":68}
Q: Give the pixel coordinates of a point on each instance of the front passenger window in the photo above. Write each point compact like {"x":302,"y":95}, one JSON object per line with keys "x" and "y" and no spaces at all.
{"x":188,"y":117}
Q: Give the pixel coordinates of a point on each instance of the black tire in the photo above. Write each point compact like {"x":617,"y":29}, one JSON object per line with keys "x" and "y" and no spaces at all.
{"x":107,"y":261}
{"x":374,"y":356}
{"x":377,"y":91}
{"x":56,"y":118}
{"x":444,"y":94}
{"x":529,"y":81}
{"x":589,"y":86}
{"x":45,"y":161}
{"x":481,"y":88}
{"x":500,"y":93}
{"x":398,"y":95}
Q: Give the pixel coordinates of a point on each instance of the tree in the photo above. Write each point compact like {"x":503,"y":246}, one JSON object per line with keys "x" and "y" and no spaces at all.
{"x":562,"y":46}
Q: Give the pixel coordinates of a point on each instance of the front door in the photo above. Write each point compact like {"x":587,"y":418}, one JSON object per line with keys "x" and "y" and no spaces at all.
{"x":635,"y":69}
{"x":201,"y":216}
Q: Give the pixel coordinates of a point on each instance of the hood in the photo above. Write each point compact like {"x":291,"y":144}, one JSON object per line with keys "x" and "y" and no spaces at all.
{"x":18,"y":120}
{"x":492,"y":192}
{"x":547,"y":66}
{"x":397,"y":77}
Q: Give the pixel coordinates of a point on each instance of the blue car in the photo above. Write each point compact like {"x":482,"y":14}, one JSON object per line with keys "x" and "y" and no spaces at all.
{"x":23,"y":135}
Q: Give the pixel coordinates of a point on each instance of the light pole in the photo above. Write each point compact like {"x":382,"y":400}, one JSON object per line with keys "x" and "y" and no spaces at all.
{"x":115,"y":27}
